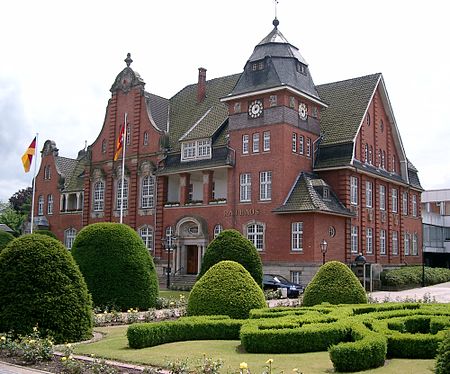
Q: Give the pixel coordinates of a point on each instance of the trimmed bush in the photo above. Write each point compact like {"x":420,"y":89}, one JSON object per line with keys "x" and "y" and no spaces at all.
{"x":443,"y":356}
{"x":117,"y":266}
{"x":225,"y":289}
{"x":40,"y":284}
{"x":5,"y":238}
{"x":45,"y":232}
{"x":334,"y":283}
{"x":231,"y":245}
{"x":411,"y":276}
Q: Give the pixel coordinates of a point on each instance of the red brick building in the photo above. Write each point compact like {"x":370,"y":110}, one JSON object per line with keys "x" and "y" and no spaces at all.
{"x":266,"y":151}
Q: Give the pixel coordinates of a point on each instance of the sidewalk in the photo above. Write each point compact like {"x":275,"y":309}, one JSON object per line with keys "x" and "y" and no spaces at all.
{"x":439,"y":293}
{"x":6,"y":368}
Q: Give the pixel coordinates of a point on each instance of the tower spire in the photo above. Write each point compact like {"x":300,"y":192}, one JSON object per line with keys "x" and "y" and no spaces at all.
{"x":275,"y":21}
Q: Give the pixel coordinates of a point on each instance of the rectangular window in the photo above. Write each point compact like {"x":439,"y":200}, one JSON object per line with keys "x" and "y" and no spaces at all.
{"x":369,"y":240}
{"x":382,"y":197}
{"x":188,"y":151}
{"x":353,"y":190}
{"x":394,"y":200}
{"x":394,"y":243}
{"x":204,"y":148}
{"x":405,"y":203}
{"x":265,"y":185}
{"x":245,"y":141}
{"x":382,"y":242}
{"x":256,"y":143}
{"x":354,"y":239}
{"x":50,"y":204}
{"x":308,"y":147}
{"x":266,"y":142}
{"x":294,"y":142}
{"x":393,"y":163}
{"x":255,"y":233}
{"x":295,"y":277}
{"x":245,"y":187}
{"x":297,"y":236}
{"x":406,"y":243}
{"x":301,"y":144}
{"x":414,"y":205}
{"x":414,"y":245}
{"x":368,"y":194}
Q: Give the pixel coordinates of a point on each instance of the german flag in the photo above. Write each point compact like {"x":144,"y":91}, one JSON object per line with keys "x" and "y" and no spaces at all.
{"x":27,"y":157}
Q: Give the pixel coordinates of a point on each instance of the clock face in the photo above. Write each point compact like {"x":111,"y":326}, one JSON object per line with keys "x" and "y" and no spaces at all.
{"x":255,"y":109}
{"x":303,"y":111}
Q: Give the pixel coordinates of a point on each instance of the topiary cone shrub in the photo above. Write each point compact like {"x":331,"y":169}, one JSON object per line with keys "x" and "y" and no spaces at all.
{"x":117,"y":266}
{"x":5,"y":238}
{"x":45,"y":232}
{"x":40,"y":284}
{"x":334,"y":283}
{"x":443,"y":356}
{"x":227,"y":288}
{"x":231,"y":245}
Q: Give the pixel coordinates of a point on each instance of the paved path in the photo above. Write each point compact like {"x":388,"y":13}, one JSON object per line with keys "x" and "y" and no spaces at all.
{"x":6,"y":368}
{"x":439,"y":293}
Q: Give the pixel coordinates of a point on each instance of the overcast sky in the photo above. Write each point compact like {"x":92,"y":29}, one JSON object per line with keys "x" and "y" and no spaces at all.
{"x":58,"y":60}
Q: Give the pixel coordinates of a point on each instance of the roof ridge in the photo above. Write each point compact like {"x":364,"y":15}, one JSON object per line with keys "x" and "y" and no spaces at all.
{"x":350,"y":79}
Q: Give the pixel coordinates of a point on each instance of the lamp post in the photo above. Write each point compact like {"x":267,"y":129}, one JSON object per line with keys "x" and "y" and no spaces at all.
{"x":323,"y":249}
{"x":168,"y":244}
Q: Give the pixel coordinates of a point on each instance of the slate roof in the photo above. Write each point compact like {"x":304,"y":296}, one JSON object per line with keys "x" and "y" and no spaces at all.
{"x":65,"y":165}
{"x":75,"y":181}
{"x":158,"y":109}
{"x":413,"y":176}
{"x":306,"y":196}
{"x":6,"y":228}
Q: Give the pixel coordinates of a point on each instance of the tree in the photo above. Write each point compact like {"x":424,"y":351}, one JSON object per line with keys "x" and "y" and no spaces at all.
{"x":21,"y":201}
{"x":12,"y":219}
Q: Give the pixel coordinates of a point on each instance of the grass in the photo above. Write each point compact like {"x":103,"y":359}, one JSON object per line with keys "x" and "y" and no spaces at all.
{"x":169,"y":294}
{"x":115,"y":346}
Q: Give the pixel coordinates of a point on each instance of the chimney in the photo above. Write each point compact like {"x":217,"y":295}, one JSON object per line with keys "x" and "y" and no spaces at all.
{"x":201,"y":85}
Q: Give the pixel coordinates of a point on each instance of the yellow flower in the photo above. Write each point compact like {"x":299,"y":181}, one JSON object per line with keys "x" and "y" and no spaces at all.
{"x":70,"y":357}
{"x":295,"y":370}
{"x":3,"y":338}
{"x":63,"y":358}
{"x":243,"y":365}
{"x":35,"y":328}
{"x":269,"y":361}
{"x":68,"y":345}
{"x":31,"y":341}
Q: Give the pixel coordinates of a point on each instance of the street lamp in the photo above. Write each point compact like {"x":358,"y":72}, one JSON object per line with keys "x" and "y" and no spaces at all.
{"x":168,"y":244}
{"x":323,"y":249}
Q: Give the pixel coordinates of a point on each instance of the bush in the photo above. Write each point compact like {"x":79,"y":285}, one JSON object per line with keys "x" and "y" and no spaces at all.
{"x":231,"y":245}
{"x":443,"y":356}
{"x":5,"y":238}
{"x":225,"y":289}
{"x":45,"y":232}
{"x":40,"y":285}
{"x":411,"y":276}
{"x":117,"y":266}
{"x":334,"y":283}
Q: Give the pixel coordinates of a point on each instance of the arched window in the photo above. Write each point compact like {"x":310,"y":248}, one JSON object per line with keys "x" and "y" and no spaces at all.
{"x":69,"y":237}
{"x":40,"y":205}
{"x":122,"y":199}
{"x":47,"y":172}
{"x":50,"y":204}
{"x":217,"y":230}
{"x":146,"y":234}
{"x":255,"y":233}
{"x":99,"y":196}
{"x":148,"y":192}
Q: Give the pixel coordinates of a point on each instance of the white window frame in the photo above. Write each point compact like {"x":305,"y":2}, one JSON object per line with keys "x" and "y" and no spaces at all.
{"x":245,"y":144}
{"x":406,"y":244}
{"x":40,"y":205}
{"x":369,"y":194}
{"x":414,"y":247}
{"x":255,"y":233}
{"x":188,"y":150}
{"x":146,"y":234}
{"x":353,"y":190}
{"x":414,"y":205}
{"x":119,"y":198}
{"x":395,"y":243}
{"x":297,"y":236}
{"x":405,"y":203}
{"x":369,"y":241}
{"x":266,"y":141}
{"x":354,"y":239}
{"x":169,"y":236}
{"x":245,"y":187}
{"x":99,"y":196}
{"x":394,"y":200}
{"x":255,"y":142}
{"x":308,"y":147}
{"x":69,"y":237}
{"x":148,"y":192}
{"x":382,"y":197}
{"x":265,"y":185}
{"x":294,"y":142}
{"x":301,"y":144}
{"x":203,"y":148}
{"x":382,"y":242}
{"x":50,"y":204}
{"x":217,"y":230}
{"x":295,"y":276}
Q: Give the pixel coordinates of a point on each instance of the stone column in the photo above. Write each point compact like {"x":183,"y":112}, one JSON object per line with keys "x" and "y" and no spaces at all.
{"x":185,"y":180}
{"x":208,"y":181}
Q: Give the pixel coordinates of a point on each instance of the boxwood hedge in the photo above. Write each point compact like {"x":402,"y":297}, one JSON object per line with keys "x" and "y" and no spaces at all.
{"x":5,"y":238}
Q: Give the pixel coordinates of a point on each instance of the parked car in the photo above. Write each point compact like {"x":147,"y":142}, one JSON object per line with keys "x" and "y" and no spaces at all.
{"x":277,"y":282}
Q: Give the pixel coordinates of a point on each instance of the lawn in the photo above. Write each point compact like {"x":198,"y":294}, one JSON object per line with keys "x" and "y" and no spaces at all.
{"x":169,"y":294}
{"x":114,"y":346}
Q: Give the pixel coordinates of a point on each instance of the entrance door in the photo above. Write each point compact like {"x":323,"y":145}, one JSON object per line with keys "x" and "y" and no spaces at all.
{"x":192,"y":259}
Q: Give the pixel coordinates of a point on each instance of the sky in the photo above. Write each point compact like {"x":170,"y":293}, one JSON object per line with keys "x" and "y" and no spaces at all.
{"x":58,"y":60}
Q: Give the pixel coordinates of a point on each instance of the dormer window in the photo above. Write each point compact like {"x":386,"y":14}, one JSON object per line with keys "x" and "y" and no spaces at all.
{"x":196,"y":150}
{"x":326,"y":193}
{"x":301,"y":68}
{"x":258,"y":65}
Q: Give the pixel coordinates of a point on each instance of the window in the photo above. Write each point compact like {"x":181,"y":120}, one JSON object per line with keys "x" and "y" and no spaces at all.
{"x":394,"y":200}
{"x":369,"y":199}
{"x":295,"y":276}
{"x":188,"y":150}
{"x":369,"y":240}
{"x":256,"y":143}
{"x":258,"y":65}
{"x":265,"y":185}
{"x":50,"y":204}
{"x":382,"y":197}
{"x":190,"y":192}
{"x":370,"y":155}
{"x":393,"y":163}
{"x":128,"y":138}
{"x":104,"y":146}
{"x":169,"y":236}
{"x":294,"y":142}
{"x":394,"y":242}
{"x":300,"y":144}
{"x":245,"y":187}
{"x":273,"y":100}
{"x":266,"y":142}
{"x":297,"y":236}
{"x":368,"y":119}
{"x":47,"y":172}
{"x":354,"y":239}
{"x":308,"y":147}
{"x":217,"y":230}
{"x":147,"y":192}
{"x":382,"y":242}
{"x":383,"y":159}
{"x":406,"y":243}
{"x":146,"y":234}
{"x":255,"y":233}
{"x":353,"y":190}
{"x":40,"y":205}
{"x":326,"y":193}
{"x":196,"y":149}
{"x":122,"y":198}
{"x":204,"y":148}
{"x":414,"y":205}
{"x":381,"y":125}
{"x":366,"y":153}
{"x":146,"y":138}
{"x":414,"y":245}
{"x":99,"y":196}
{"x":301,"y":68}
{"x":332,"y":231}
{"x":69,"y":237}
{"x":405,"y":203}
{"x":245,"y":141}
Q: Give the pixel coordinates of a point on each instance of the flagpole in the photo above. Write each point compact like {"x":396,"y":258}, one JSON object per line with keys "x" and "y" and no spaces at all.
{"x":124,"y":142}
{"x":34,"y":183}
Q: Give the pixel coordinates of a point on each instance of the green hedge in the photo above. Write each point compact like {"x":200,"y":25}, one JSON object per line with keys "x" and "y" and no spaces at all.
{"x":45,"y":232}
{"x":443,"y":357}
{"x":412,"y":276}
{"x":5,"y":238}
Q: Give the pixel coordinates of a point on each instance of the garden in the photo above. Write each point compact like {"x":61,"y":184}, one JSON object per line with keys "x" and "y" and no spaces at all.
{"x":51,"y":299}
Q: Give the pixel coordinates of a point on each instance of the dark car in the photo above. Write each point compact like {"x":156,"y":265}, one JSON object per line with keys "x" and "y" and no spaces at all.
{"x":275,"y":282}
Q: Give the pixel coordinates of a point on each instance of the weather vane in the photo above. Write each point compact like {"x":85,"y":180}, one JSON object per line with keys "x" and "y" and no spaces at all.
{"x":275,"y":4}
